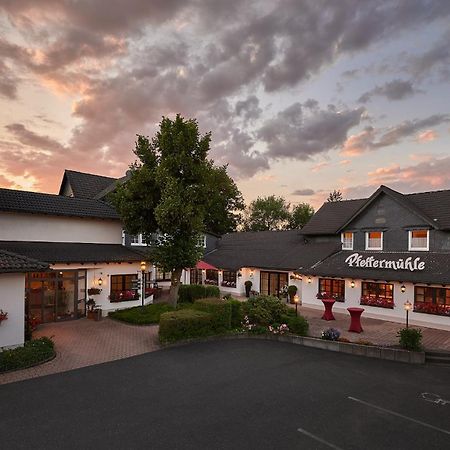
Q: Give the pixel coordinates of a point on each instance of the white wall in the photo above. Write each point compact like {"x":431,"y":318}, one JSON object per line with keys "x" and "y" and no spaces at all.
{"x":33,"y":227}
{"x":353,"y":296}
{"x":12,"y":301}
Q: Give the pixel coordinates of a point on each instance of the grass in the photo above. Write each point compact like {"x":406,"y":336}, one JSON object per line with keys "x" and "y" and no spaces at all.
{"x":142,"y":315}
{"x":33,"y":352}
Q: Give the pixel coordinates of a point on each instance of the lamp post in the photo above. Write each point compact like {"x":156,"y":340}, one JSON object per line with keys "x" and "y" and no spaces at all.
{"x":296,"y":300}
{"x":143,"y":269}
{"x":408,"y":306}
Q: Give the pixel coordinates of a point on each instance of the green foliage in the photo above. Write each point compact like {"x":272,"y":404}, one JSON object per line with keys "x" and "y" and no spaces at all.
{"x":264,"y":310}
{"x":300,"y":215}
{"x":185,"y":324}
{"x":219,"y":309}
{"x":267,"y":213}
{"x":33,"y":352}
{"x":188,"y":293}
{"x":248,"y":284}
{"x":410,"y":339}
{"x":335,"y":196}
{"x":292,"y":289}
{"x":298,"y":325}
{"x":236,"y":313}
{"x":142,"y":315}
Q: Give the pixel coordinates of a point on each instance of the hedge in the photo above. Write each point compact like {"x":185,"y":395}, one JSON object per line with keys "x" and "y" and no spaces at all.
{"x":141,"y":315}
{"x":219,"y":309}
{"x":185,"y":324}
{"x":188,"y":293}
{"x":236,"y":313}
{"x":32,"y":353}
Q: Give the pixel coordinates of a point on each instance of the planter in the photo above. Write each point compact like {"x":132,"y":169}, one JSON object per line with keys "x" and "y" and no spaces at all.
{"x":248,"y":288}
{"x":96,"y":314}
{"x":94,"y":291}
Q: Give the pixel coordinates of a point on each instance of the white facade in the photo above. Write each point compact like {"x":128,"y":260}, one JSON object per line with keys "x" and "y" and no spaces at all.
{"x":45,"y":228}
{"x":12,"y":301}
{"x":352,"y":299}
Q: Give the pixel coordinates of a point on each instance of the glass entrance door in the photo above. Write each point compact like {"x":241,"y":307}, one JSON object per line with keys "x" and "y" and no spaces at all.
{"x":271,"y":283}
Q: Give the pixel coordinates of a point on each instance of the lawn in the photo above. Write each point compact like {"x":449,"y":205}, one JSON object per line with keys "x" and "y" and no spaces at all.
{"x":142,"y":315}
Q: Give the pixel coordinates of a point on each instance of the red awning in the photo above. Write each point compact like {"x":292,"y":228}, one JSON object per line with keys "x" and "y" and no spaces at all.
{"x":204,"y":266}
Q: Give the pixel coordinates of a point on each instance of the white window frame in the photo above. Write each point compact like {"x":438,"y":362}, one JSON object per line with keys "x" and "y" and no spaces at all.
{"x":367,"y":240}
{"x":202,"y":241}
{"x":343,"y":240}
{"x":140,"y":241}
{"x":418,"y":249}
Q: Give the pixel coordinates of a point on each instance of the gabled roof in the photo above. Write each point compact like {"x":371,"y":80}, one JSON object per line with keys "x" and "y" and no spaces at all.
{"x":71,"y":252}
{"x":332,"y":217}
{"x":13,"y":263}
{"x":403,"y":200}
{"x":58,"y":205}
{"x":85,"y":185}
{"x":277,"y":250}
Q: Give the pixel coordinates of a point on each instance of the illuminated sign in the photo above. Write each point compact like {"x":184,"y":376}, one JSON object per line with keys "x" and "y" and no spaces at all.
{"x":370,"y":262}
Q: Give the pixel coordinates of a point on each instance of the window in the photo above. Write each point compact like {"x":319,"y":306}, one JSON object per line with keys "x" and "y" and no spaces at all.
{"x":374,"y":240}
{"x":378,"y":294}
{"x":329,"y":288}
{"x":161,"y":275}
{"x":137,"y":239}
{"x":229,"y":278}
{"x":432,"y":300}
{"x":347,"y":240}
{"x":212,"y":277}
{"x":202,"y":241}
{"x":418,"y":240}
{"x":123,"y":288}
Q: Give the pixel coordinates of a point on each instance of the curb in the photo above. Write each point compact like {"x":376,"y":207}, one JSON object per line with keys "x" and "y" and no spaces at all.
{"x":369,"y":351}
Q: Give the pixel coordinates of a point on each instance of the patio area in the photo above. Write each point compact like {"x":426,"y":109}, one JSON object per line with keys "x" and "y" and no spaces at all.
{"x":84,"y":342}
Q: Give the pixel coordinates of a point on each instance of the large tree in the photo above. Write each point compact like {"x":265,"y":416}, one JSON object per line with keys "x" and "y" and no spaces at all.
{"x":169,"y":193}
{"x":300,"y":215}
{"x":335,"y":196}
{"x":267,"y":213}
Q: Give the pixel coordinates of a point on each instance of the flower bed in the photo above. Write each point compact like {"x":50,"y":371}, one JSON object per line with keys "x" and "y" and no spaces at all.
{"x":123,"y":296}
{"x":230,"y":284}
{"x":432,"y":308}
{"x":325,"y":296}
{"x":377,"y":302}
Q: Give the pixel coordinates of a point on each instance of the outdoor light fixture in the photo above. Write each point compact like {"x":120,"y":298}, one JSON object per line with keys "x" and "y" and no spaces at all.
{"x":100,"y":281}
{"x":143,"y":269}
{"x":352,"y":283}
{"x":220,"y":272}
{"x":408,"y":306}
{"x":143,"y":266}
{"x":309,"y":280}
{"x":403,"y":288}
{"x":296,"y":300}
{"x":251,"y":273}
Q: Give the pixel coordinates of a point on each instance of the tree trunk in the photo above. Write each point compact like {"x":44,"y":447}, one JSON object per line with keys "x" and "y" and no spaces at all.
{"x":174,"y":286}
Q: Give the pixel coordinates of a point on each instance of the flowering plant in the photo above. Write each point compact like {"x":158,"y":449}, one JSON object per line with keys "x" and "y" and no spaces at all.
{"x":325,"y":295}
{"x":3,"y":315}
{"x":281,"y":329}
{"x":377,"y":301}
{"x":331,"y":334}
{"x":432,"y":308}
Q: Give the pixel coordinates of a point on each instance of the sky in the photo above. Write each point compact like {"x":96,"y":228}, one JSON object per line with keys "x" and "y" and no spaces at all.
{"x":302,"y":97}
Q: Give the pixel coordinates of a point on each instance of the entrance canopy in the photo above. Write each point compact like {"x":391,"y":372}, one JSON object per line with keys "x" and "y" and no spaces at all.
{"x":202,"y":265}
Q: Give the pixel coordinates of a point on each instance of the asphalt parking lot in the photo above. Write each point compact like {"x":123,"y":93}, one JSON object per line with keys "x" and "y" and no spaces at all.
{"x":235,"y":394}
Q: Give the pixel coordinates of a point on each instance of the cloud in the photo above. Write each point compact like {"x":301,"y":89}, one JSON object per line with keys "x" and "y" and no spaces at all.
{"x":303,"y":192}
{"x":427,"y":136}
{"x":359,"y":143}
{"x":392,"y":90}
{"x":301,"y":133}
{"x":32,"y":139}
{"x":249,"y":108}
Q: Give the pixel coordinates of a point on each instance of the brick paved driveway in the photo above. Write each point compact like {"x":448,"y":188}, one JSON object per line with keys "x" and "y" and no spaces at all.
{"x":83,"y":342}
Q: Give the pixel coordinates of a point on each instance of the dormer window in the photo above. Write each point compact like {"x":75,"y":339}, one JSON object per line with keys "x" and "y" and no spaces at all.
{"x":418,"y":240}
{"x":347,"y":240}
{"x":374,"y":240}
{"x":137,"y":239}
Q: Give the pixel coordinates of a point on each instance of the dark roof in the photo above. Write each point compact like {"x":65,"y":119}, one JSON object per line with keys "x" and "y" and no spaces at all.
{"x":433,"y":207}
{"x":12,"y":262}
{"x":279,"y":250}
{"x":85,"y":185}
{"x":331,"y":216}
{"x":39,"y":203}
{"x":72,"y":252}
{"x":436,"y":267}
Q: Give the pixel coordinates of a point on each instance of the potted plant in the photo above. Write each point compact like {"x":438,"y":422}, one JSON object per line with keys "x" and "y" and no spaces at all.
{"x":3,"y":316}
{"x":292,"y":291}
{"x":248,"y":286}
{"x":90,"y":308}
{"x":94,"y":291}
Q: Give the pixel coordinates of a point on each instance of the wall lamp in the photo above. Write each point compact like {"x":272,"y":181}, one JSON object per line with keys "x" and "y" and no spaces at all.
{"x":100,"y":281}
{"x":403,"y":288}
{"x":352,"y":284}
{"x":143,"y":266}
{"x":309,"y":280}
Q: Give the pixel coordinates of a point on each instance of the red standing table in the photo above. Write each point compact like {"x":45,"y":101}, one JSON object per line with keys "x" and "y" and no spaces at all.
{"x":355,"y":324}
{"x":328,"y":313}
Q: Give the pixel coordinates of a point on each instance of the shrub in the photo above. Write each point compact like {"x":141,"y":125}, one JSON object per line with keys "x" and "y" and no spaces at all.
{"x":292,"y":289}
{"x":410,"y":339}
{"x":185,"y":324}
{"x":264,"y":310}
{"x":141,"y":315}
{"x":219,"y":309}
{"x":298,"y":325}
{"x":331,"y":334}
{"x":236,"y":313}
{"x":33,"y":352}
{"x":188,"y":293}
